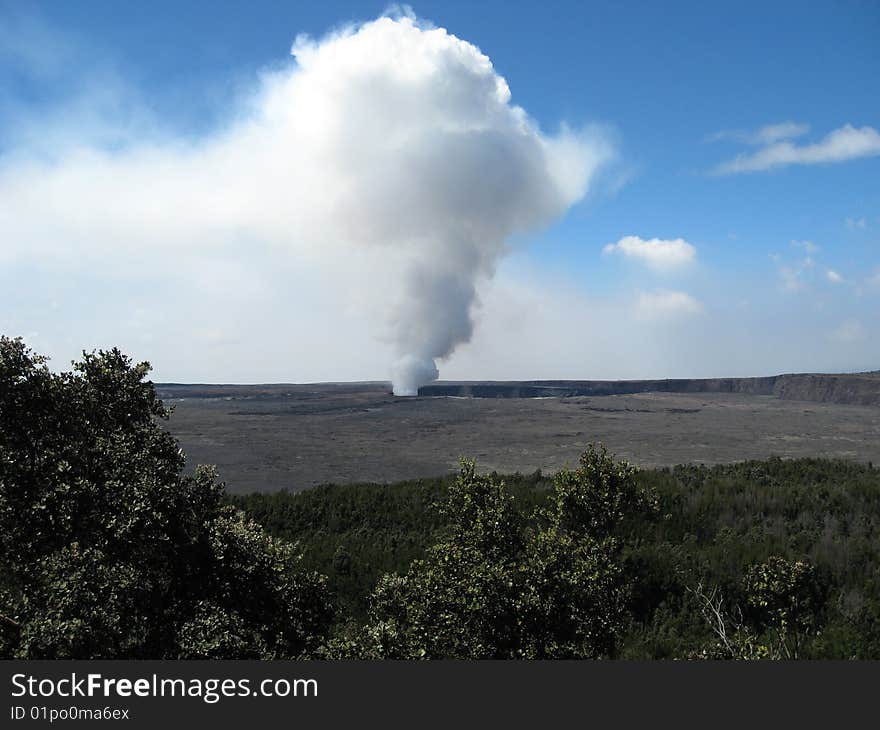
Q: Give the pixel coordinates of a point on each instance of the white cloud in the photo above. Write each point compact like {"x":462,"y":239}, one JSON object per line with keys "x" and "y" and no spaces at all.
{"x":807,"y":246}
{"x":856,"y":223}
{"x":795,"y":275}
{"x":840,"y":145}
{"x":659,"y":254}
{"x":798,"y":275}
{"x":662,"y":304}
{"x":765,"y":135}
{"x":777,"y":132}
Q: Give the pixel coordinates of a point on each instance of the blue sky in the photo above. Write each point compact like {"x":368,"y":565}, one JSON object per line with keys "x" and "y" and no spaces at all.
{"x":785,"y":271}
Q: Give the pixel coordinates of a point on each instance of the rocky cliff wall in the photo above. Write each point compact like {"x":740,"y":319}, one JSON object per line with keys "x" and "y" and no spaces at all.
{"x":858,"y":389}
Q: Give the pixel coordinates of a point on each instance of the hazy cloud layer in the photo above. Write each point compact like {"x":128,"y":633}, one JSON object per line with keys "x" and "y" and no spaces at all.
{"x":663,"y":304}
{"x":849,"y":331}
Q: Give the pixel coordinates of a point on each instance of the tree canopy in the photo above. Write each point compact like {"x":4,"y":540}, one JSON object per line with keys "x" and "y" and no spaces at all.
{"x":500,"y":586}
{"x":109,"y":550}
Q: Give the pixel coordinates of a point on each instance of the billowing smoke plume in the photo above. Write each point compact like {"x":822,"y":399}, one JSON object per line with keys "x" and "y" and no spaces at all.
{"x":391,"y":137}
{"x":439,"y":165}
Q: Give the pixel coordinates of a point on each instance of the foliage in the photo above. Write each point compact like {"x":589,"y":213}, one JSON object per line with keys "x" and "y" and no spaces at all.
{"x":108,"y":550}
{"x":714,"y":524}
{"x":599,"y":495}
{"x":786,"y":597}
{"x":499,"y":586}
{"x":354,"y":534}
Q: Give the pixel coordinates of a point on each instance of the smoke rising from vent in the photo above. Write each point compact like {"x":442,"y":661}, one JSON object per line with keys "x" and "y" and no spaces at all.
{"x":446,"y":169}
{"x":389,"y":140}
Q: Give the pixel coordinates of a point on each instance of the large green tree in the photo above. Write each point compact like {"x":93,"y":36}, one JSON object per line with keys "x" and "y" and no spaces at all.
{"x":108,"y":550}
{"x":502,"y":587}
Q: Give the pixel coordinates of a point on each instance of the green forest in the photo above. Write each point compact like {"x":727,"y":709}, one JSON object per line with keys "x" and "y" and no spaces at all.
{"x":704,"y":543}
{"x":110,"y":549}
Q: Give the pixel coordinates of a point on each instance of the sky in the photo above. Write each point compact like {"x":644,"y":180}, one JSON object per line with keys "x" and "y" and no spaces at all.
{"x":668,"y":190}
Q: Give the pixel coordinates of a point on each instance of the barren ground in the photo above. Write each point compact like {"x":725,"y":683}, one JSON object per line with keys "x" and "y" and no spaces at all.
{"x":265,"y":438}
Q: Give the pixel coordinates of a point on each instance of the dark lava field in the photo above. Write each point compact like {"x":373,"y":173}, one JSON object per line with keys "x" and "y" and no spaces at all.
{"x":271,"y":437}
